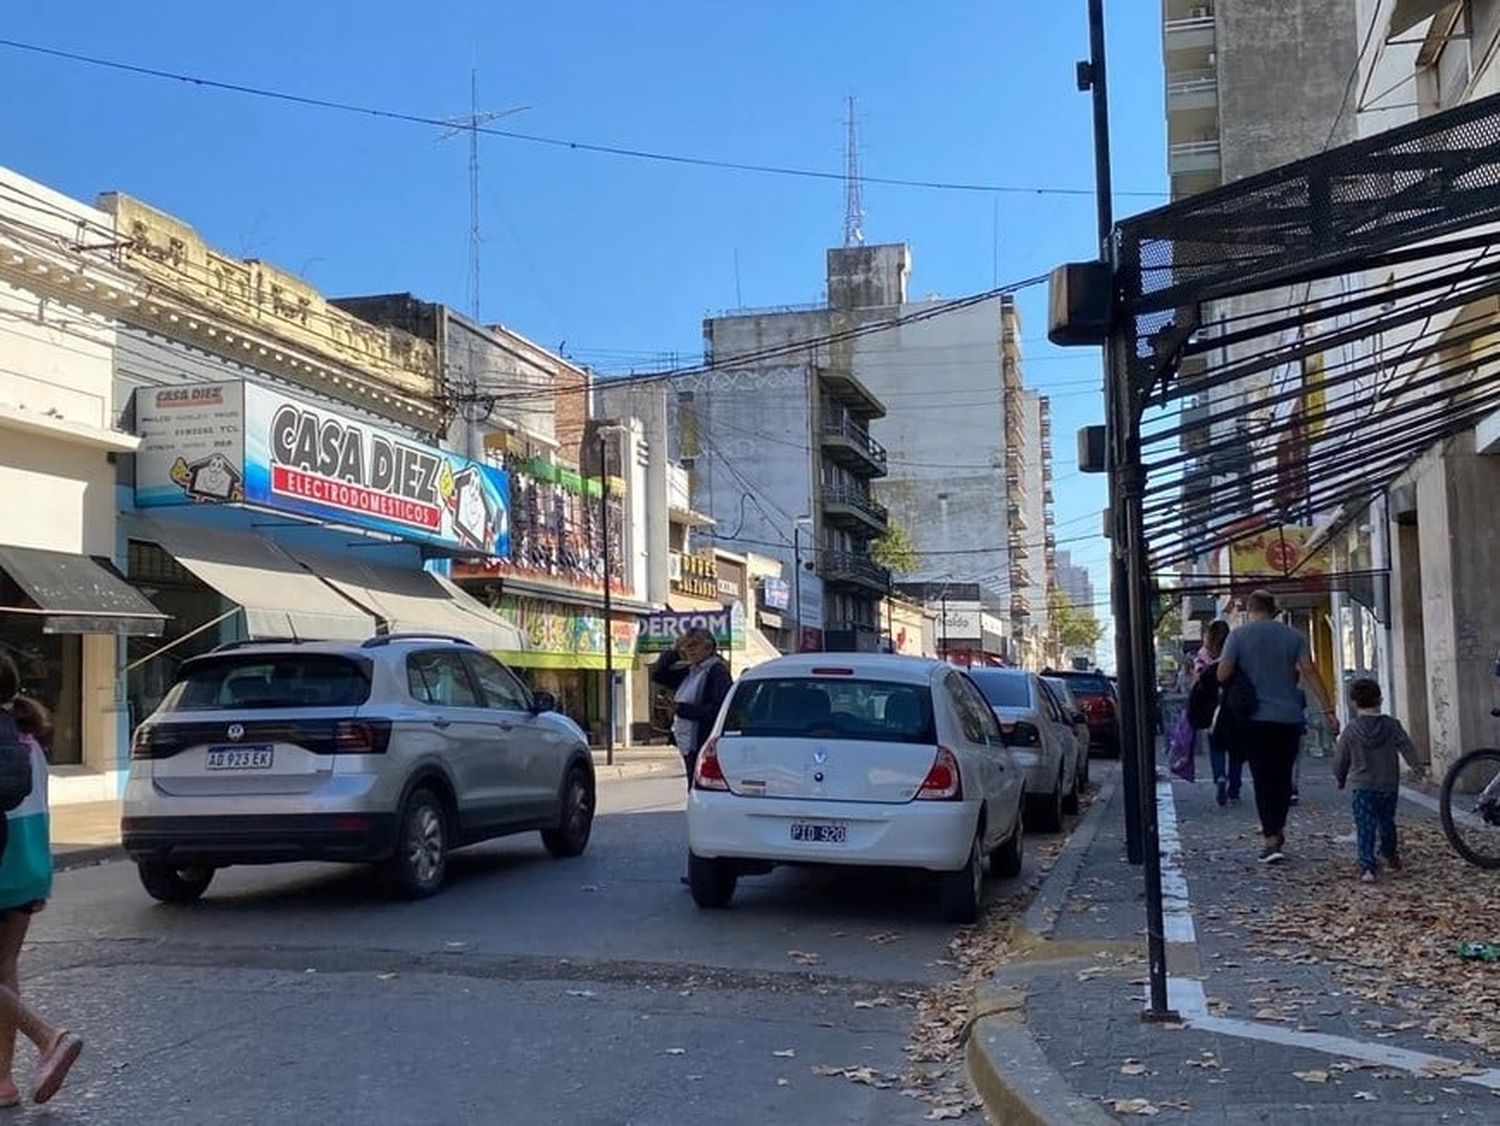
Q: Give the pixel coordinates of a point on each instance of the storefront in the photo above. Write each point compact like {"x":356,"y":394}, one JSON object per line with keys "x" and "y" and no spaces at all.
{"x":268,"y":516}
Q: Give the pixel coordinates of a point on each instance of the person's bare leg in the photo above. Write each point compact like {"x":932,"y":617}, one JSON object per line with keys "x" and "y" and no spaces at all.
{"x":14,"y":1013}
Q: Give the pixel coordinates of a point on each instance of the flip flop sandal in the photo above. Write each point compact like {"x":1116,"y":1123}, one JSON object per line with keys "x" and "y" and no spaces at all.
{"x":56,"y":1063}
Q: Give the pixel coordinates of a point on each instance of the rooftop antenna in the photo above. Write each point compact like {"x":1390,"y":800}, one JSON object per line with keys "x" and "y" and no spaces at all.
{"x":470,"y":123}
{"x":854,"y":212}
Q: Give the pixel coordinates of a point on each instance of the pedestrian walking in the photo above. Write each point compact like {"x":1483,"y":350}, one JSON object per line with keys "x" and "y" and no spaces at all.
{"x":1227,"y":769}
{"x":700,"y":681}
{"x":25,"y":884}
{"x":1366,"y":759}
{"x":1271,"y":657}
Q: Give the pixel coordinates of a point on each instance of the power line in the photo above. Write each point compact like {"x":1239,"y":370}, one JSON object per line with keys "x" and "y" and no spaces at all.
{"x":553,"y":142}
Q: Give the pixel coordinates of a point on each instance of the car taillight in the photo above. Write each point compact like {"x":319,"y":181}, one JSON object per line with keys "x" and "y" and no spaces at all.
{"x":943,"y":781}
{"x":141,"y":745}
{"x":708,"y":774}
{"x":1020,"y":735}
{"x":361,"y":737}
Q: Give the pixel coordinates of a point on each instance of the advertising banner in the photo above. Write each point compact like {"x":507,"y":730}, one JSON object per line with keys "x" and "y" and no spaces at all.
{"x":239,"y":443}
{"x":660,"y":632}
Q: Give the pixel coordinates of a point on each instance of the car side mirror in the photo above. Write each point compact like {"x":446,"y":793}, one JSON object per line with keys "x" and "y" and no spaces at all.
{"x":543,"y":702}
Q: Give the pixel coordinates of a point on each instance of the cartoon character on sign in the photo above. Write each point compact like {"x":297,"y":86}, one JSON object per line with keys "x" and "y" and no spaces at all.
{"x":212,"y":479}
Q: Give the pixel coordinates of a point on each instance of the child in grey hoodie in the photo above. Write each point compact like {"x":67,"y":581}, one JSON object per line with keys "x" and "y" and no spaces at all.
{"x":1366,"y":759}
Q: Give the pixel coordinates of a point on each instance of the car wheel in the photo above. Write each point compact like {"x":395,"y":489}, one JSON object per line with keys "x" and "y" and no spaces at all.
{"x":1006,"y":860}
{"x":1049,"y":806}
{"x":421,"y":861}
{"x":1070,"y":797}
{"x":962,"y":892}
{"x":711,"y":881}
{"x":571,"y":836}
{"x":170,"y":884}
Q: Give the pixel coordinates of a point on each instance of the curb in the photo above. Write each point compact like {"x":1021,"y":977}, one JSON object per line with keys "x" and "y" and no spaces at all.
{"x":86,"y":857}
{"x":1041,"y":917}
{"x":1006,"y":1065}
{"x":625,"y":770}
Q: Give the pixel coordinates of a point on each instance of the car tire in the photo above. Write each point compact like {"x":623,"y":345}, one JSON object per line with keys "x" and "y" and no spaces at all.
{"x":712,"y":882}
{"x":961,"y":893}
{"x":421,"y":862}
{"x":1070,"y":796}
{"x":1049,"y":807}
{"x":571,"y":836}
{"x":168,"y":883}
{"x":1006,"y":860}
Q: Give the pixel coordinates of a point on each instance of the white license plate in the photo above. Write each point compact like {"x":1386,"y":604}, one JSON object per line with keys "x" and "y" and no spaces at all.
{"x":812,"y":832}
{"x":240,"y":758}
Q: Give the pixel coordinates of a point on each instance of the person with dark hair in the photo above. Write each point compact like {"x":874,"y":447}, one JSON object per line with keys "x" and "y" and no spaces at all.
{"x":1228,"y":770}
{"x":1366,"y":759}
{"x":25,"y":883}
{"x":1272,"y":657}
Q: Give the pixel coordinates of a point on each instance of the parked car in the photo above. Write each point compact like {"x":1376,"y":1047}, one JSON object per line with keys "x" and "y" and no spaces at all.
{"x":1036,"y":730}
{"x":1096,"y":694}
{"x":393,"y":751}
{"x":1077,"y":719}
{"x":855,"y":759}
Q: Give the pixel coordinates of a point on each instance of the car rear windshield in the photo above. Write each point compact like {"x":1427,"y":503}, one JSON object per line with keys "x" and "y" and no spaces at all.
{"x":872,"y":710}
{"x":1087,"y":683}
{"x":1004,"y":689}
{"x":282,"y":680}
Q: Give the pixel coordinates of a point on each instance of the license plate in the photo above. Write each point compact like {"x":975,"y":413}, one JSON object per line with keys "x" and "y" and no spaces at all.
{"x":813,"y":833}
{"x":240,"y":758}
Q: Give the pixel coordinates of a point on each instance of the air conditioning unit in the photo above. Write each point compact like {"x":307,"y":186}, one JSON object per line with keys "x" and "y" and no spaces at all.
{"x":1201,"y":12}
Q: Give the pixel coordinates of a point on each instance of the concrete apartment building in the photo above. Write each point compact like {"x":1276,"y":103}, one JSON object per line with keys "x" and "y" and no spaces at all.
{"x":1253,"y":86}
{"x":922,"y":425}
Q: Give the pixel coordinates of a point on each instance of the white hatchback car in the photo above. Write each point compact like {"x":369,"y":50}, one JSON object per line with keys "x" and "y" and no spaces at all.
{"x":855,"y":759}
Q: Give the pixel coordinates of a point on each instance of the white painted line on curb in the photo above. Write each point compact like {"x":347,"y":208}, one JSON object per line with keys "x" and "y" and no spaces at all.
{"x":1416,"y":797}
{"x":1187,"y":997}
{"x":1177,"y":909}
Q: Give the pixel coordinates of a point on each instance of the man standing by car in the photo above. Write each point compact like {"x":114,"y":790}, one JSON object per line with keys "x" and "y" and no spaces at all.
{"x":1272,"y":656}
{"x":700,"y":680}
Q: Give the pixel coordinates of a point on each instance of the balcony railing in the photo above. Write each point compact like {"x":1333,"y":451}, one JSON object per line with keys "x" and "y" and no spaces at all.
{"x":851,"y":566}
{"x":1193,"y":33}
{"x":1194,"y":156}
{"x":845,"y":432}
{"x":844,"y":498}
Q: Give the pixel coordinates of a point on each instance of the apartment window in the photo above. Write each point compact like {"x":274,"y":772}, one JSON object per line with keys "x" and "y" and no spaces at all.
{"x":1445,"y":63}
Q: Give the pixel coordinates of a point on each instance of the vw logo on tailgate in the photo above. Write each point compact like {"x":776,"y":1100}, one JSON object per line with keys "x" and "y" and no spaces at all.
{"x":820,"y":756}
{"x":236,"y":732}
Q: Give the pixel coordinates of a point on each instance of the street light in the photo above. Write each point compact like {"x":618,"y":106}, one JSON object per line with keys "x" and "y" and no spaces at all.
{"x":797,"y":526}
{"x":609,"y":621}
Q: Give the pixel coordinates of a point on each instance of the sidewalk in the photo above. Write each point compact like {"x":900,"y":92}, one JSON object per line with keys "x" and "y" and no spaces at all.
{"x":85,"y":833}
{"x":1303,"y":995}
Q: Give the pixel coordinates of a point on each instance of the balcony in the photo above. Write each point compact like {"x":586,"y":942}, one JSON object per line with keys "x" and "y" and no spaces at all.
{"x":846,"y":389}
{"x":1017,"y":517}
{"x":849,"y":568}
{"x":850,"y":444}
{"x":1193,"y":93}
{"x":852,"y":508}
{"x":1189,"y":158}
{"x":1192,"y":35}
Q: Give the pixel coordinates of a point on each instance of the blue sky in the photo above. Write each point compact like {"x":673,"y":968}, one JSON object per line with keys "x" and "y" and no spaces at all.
{"x":620,"y":259}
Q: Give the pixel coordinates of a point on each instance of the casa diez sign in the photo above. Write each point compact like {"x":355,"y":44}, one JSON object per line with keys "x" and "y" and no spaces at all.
{"x":240,"y":443}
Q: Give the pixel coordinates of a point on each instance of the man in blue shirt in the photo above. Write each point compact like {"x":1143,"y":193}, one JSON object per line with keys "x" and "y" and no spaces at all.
{"x":1273,"y":657}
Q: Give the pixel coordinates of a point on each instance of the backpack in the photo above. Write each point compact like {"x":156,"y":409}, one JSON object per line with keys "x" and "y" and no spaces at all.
{"x":15,"y":764}
{"x":1203,"y":699}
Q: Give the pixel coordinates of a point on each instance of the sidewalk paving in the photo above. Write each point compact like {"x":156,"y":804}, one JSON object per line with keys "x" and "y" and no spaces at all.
{"x":85,"y":833}
{"x":1304,"y":996}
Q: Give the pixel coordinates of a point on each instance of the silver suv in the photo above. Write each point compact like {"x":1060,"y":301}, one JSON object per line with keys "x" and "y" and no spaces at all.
{"x":391,"y":751}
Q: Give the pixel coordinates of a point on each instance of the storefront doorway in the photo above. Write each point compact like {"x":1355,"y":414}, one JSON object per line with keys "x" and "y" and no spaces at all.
{"x":51,"y":668}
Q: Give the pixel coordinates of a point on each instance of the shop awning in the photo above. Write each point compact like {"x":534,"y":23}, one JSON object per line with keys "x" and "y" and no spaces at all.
{"x":77,"y":594}
{"x":278,"y":596}
{"x":758,"y":650}
{"x":412,"y":601}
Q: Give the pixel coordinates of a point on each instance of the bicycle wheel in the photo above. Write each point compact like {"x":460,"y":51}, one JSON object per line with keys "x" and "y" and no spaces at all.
{"x":1470,"y":807}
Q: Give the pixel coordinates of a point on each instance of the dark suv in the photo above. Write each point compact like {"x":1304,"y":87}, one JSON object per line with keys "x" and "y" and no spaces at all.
{"x":1101,"y":707}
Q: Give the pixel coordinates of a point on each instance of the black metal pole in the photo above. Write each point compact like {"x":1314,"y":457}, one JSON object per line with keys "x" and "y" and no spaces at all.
{"x":1093,"y":77}
{"x":797,"y":582}
{"x":609,"y":640}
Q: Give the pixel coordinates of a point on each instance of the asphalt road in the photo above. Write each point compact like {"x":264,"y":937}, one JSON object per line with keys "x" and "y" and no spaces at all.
{"x":587,"y":991}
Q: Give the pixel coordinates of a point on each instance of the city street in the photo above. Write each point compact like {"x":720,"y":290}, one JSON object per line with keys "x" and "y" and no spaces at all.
{"x":531,"y":990}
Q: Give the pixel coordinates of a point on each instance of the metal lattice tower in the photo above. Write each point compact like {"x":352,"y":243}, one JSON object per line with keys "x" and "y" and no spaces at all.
{"x":854,"y":212}
{"x":470,"y":124}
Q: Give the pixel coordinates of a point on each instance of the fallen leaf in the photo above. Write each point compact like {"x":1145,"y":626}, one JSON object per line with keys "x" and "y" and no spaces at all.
{"x":1367,"y":1096}
{"x":1142,"y":1107}
{"x":940,"y":1112}
{"x":580,"y":993}
{"x":676,"y":1051}
{"x":804,"y":958}
{"x":387,"y":976}
{"x":1312,"y":1076}
{"x":1132,"y":1067}
{"x":783,"y":1082}
{"x":785,"y":1054}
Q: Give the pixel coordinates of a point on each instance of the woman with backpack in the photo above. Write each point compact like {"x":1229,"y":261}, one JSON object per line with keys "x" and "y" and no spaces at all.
{"x":1203,"y":701}
{"x":25,"y":884}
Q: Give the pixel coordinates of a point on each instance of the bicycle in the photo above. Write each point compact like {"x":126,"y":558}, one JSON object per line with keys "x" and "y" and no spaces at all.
{"x":1469,"y":806}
